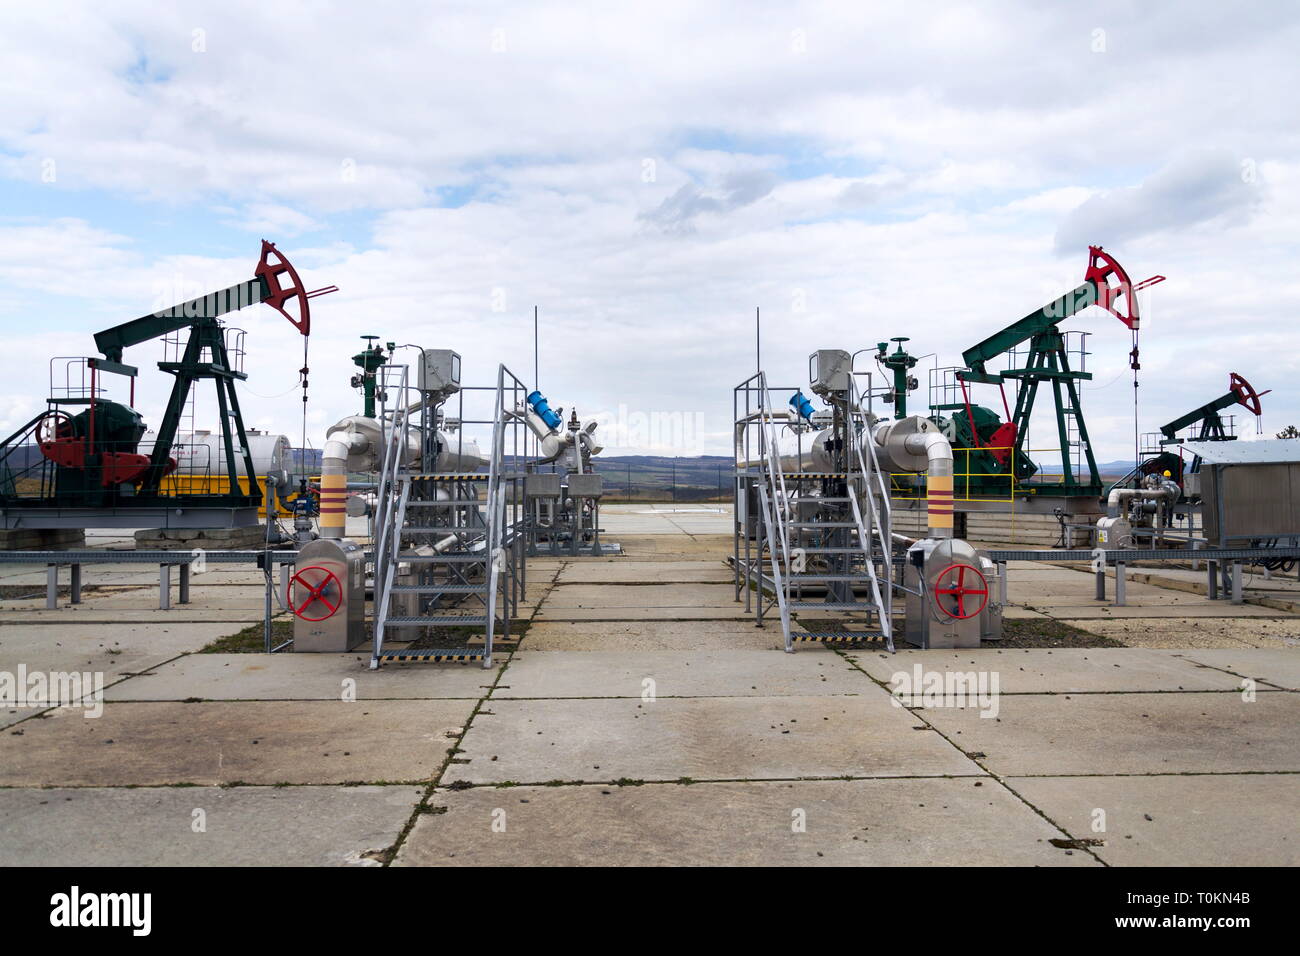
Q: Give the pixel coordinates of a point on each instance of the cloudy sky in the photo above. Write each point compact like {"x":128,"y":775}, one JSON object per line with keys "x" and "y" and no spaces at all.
{"x":648,"y":174}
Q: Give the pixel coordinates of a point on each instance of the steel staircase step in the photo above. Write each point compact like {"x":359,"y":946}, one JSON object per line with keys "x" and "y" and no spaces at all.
{"x":835,"y":637}
{"x":444,"y":503}
{"x":433,"y":654}
{"x":438,"y":588}
{"x":821,"y":524}
{"x":426,"y":529}
{"x":439,"y":558}
{"x":822,"y":606}
{"x":813,"y":576}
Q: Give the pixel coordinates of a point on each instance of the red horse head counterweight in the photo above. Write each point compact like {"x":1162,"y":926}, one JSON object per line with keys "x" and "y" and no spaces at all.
{"x":1102,"y":268}
{"x":270,"y":268}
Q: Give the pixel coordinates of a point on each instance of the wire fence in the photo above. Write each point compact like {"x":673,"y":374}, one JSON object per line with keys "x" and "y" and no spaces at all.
{"x":661,"y":480}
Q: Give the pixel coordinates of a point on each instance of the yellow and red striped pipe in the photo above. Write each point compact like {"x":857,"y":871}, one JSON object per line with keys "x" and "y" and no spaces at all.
{"x":333,"y":505}
{"x":939,"y":504}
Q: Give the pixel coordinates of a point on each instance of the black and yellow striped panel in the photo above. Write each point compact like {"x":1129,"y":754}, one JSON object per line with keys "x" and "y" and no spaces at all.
{"x":403,"y":656}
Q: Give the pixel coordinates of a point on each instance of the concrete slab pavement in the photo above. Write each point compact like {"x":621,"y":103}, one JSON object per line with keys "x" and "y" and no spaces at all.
{"x":297,"y":742}
{"x":13,"y":715}
{"x":1033,"y":671}
{"x":302,"y":677}
{"x":115,"y":650}
{"x":915,"y":822}
{"x":1278,"y":667}
{"x":690,"y":597}
{"x":242,"y":826}
{"x":1211,"y":820}
{"x":737,"y":738}
{"x":674,"y":635}
{"x":702,"y":673}
{"x":138,"y":613}
{"x":627,"y":571}
{"x":1140,"y":733}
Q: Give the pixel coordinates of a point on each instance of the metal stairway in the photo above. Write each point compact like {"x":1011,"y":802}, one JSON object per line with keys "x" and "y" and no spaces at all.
{"x":447,"y":554}
{"x":820,"y":532}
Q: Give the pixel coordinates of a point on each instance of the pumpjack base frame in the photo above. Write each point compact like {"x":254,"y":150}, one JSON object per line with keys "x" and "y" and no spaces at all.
{"x":1044,"y":504}
{"x":154,"y":514}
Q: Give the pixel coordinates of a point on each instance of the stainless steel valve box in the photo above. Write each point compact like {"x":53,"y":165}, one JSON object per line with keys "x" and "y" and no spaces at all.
{"x":328,"y":596}
{"x":586,"y":486}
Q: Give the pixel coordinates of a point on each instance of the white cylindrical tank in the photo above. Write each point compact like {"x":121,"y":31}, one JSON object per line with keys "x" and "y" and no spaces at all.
{"x":203,"y":453}
{"x":458,"y":455}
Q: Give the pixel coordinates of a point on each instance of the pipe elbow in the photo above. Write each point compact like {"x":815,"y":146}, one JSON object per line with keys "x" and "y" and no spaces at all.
{"x":938,"y":453}
{"x":334,"y":456}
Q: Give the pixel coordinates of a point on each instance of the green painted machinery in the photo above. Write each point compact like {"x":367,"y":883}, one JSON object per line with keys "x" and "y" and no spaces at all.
{"x":900,"y":363}
{"x":1046,"y":364}
{"x":65,"y":470}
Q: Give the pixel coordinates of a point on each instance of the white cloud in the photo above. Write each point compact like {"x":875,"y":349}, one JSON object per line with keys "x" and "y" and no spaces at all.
{"x":936,"y":177}
{"x":1210,"y":189}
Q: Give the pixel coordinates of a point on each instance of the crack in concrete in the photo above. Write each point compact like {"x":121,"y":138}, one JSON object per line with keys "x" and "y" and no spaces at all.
{"x":919,"y":715}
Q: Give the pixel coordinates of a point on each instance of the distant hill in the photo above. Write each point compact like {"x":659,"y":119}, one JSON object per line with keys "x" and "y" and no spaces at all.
{"x":659,"y":476}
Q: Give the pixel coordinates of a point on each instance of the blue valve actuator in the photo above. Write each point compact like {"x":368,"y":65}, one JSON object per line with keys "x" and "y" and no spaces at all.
{"x":799,"y":402}
{"x":538,"y":402}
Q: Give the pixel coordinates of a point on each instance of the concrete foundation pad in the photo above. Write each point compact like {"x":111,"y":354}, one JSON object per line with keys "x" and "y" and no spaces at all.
{"x":711,"y":673}
{"x":1202,"y":732}
{"x":746,"y":738}
{"x":1081,"y":671}
{"x":1183,"y":632}
{"x":657,"y":572}
{"x":848,"y":823}
{"x":242,"y":826}
{"x":151,"y":744}
{"x":1212,"y":820}
{"x":302,"y":677}
{"x":731,"y":633}
{"x":1279,"y":667}
{"x":115,"y":651}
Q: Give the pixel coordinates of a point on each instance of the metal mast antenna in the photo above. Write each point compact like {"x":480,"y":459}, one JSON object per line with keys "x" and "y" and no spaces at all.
{"x":758,"y":340}
{"x":536,"y":383}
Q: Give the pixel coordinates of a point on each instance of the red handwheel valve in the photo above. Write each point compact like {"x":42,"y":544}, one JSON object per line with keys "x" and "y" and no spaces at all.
{"x":326,"y":585}
{"x":959,"y":591}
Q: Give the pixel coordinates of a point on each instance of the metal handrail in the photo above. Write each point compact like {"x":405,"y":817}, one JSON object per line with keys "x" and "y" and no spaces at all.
{"x":387,"y":544}
{"x":495,"y":510}
{"x":882,"y":530}
{"x":773,"y":465}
